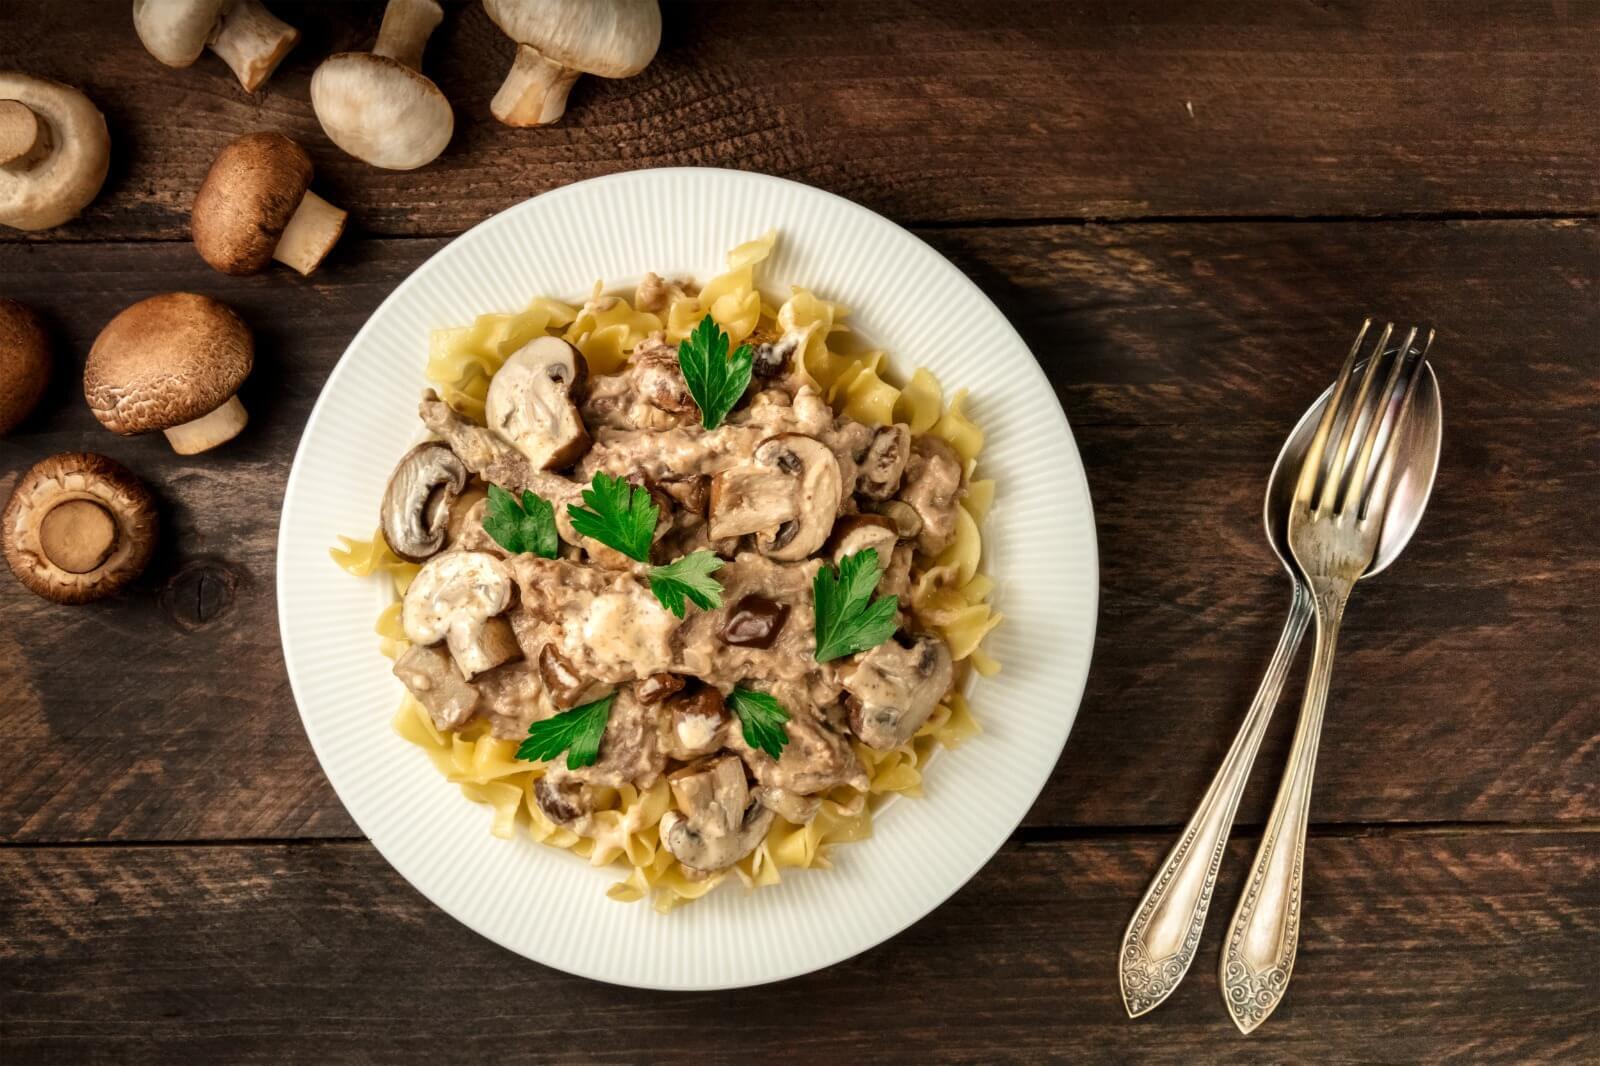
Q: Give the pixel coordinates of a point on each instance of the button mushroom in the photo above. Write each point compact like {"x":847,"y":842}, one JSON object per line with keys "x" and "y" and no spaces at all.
{"x":458,"y":597}
{"x":78,"y":527}
{"x":256,"y":205}
{"x":718,"y":822}
{"x":24,"y":363}
{"x":377,"y":105}
{"x":557,"y":40}
{"x":895,"y":687}
{"x":246,"y":35}
{"x":54,"y":151}
{"x":696,"y":725}
{"x":417,"y":502}
{"x":173,"y":363}
{"x":532,"y":403}
{"x":858,"y":532}
{"x":565,"y":802}
{"x":432,"y":677}
{"x":754,"y":622}
{"x":789,"y":496}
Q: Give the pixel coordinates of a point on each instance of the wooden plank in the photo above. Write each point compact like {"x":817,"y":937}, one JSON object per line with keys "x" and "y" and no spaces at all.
{"x":1416,"y":948}
{"x":1182,"y":354}
{"x":922,"y":109}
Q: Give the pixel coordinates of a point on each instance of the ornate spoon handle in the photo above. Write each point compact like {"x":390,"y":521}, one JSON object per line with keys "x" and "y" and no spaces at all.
{"x":1161,"y":939}
{"x":1258,"y":956}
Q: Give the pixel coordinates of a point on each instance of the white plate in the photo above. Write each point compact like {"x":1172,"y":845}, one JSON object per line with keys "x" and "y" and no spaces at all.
{"x":1039,"y":545}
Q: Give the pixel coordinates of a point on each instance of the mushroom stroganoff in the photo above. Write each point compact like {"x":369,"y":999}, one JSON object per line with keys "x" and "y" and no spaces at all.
{"x":681,"y":585}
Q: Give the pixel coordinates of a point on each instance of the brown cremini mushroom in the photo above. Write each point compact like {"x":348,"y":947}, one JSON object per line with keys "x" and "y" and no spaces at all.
{"x":696,"y":725}
{"x":246,"y":35}
{"x":78,"y":527}
{"x":377,"y":105}
{"x":24,"y":363}
{"x":532,"y":403}
{"x":54,"y":151}
{"x":557,"y":40}
{"x":415,"y":514}
{"x":173,"y":363}
{"x":256,"y":205}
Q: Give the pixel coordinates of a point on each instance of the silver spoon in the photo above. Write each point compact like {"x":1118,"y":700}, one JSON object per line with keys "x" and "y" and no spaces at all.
{"x":1165,"y":930}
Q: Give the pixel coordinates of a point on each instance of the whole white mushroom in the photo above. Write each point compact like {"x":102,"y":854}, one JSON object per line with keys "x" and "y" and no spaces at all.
{"x":54,"y":151}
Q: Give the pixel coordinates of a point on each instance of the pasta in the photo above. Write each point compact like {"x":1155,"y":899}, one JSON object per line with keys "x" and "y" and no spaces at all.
{"x":949,"y":595}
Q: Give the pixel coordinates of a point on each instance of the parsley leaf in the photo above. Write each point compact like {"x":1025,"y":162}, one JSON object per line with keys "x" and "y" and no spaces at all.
{"x":529,"y":526}
{"x":576,"y":732}
{"x":618,"y":515}
{"x":848,"y":619}
{"x":762,"y":717}
{"x":689,"y":577}
{"x":715,"y":381}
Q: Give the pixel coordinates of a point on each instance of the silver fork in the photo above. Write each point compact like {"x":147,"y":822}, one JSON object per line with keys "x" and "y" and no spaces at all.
{"x":1334,"y":525}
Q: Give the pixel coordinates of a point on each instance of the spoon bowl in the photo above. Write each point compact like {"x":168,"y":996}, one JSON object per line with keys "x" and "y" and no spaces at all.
{"x":1417,"y":462}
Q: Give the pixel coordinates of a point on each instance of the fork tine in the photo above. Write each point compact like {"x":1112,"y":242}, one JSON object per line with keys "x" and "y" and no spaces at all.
{"x":1383,"y":412}
{"x":1311,"y":465}
{"x":1339,"y":460}
{"x":1377,"y":493}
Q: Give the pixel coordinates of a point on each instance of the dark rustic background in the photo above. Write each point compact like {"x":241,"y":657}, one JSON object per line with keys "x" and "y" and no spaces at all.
{"x":1185,"y":208}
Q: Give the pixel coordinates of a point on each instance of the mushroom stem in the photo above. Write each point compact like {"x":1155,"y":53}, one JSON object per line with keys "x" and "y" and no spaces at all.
{"x":78,"y":535}
{"x":252,"y":41}
{"x":535,"y":91}
{"x":407,"y":24}
{"x":312,"y":231}
{"x":24,"y":136}
{"x":208,"y":431}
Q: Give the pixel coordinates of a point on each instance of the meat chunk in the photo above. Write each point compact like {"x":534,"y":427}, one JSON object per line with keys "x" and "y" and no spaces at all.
{"x":818,"y":756}
{"x":895,"y":687}
{"x":932,"y":487}
{"x":431,"y":676}
{"x":648,"y":394}
{"x":630,"y":750}
{"x":885,"y":462}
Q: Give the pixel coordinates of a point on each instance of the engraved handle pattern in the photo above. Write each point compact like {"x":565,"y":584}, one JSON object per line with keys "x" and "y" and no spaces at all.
{"x":1164,"y":933}
{"x":1264,"y":936}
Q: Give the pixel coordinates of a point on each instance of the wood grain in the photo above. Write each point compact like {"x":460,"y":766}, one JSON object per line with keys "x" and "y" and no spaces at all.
{"x":1181,"y":353}
{"x":928,"y":110}
{"x":1417,"y":948}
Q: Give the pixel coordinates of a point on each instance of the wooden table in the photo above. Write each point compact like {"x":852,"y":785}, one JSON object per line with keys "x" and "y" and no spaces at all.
{"x":1185,"y":208}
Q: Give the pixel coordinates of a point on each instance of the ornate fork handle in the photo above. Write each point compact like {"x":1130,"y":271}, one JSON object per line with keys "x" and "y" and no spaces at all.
{"x":1265,"y":933}
{"x":1165,"y":931}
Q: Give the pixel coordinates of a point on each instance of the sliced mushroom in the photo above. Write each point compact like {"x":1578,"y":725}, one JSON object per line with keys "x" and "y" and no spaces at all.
{"x":417,"y":501}
{"x":565,"y":802}
{"x":24,"y":363}
{"x":690,"y":493}
{"x":432,"y":677}
{"x":256,"y":205}
{"x":54,"y":152}
{"x":932,"y":487}
{"x":907,"y":522}
{"x":789,"y":497}
{"x":696,"y":725}
{"x":532,"y":403}
{"x":792,"y":808}
{"x":657,"y":687}
{"x":858,"y":532}
{"x":561,"y":39}
{"x":172,"y":362}
{"x":885,"y":462}
{"x":720,"y":822}
{"x":458,"y":597}
{"x":561,"y":679}
{"x":377,"y":105}
{"x":246,"y":35}
{"x":78,"y":527}
{"x":895,"y":687}
{"x":754,"y":622}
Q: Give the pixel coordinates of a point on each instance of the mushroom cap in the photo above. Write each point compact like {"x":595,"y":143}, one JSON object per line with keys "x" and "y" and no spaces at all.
{"x":611,"y":38}
{"x":249,"y":194}
{"x":176,"y":31}
{"x":415,"y":513}
{"x":380,"y":110}
{"x":24,"y":363}
{"x":78,"y":527}
{"x":166,"y":361}
{"x":66,"y":178}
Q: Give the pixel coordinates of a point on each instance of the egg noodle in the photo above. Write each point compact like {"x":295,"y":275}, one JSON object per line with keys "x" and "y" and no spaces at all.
{"x":950,"y":596}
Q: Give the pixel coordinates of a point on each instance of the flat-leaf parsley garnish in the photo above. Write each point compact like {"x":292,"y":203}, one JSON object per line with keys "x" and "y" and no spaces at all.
{"x":715,"y":380}
{"x":688,"y":578}
{"x":618,"y":515}
{"x":576,"y":732}
{"x":762,"y":718}
{"x":848,"y":618}
{"x":529,"y":526}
